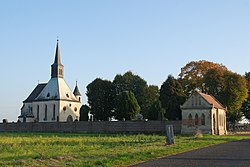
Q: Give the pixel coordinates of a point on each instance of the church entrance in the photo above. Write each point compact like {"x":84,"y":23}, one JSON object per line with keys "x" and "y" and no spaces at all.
{"x":70,"y":118}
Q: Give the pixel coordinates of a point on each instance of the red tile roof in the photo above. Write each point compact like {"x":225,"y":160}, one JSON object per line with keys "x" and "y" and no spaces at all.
{"x":212,"y":100}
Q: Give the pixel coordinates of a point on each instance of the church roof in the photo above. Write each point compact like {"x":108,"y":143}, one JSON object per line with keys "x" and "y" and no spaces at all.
{"x":76,"y":91}
{"x":35,"y":92}
{"x":212,"y":100}
{"x":56,"y":89}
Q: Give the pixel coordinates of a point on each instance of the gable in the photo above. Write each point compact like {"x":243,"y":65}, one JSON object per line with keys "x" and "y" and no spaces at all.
{"x":196,"y":101}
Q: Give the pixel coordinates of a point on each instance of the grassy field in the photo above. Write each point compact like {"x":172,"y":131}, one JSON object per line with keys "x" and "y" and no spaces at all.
{"x":50,"y":149}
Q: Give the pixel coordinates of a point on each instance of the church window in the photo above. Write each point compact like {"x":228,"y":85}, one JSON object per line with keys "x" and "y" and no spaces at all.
{"x":54,"y":112}
{"x":75,"y":109}
{"x":37,"y":113}
{"x":45,"y":113}
{"x":48,"y":95}
{"x":70,"y":105}
{"x":67,"y":95}
{"x":60,"y":72}
{"x":196,"y":121}
{"x":64,"y":108}
{"x":203,"y":119}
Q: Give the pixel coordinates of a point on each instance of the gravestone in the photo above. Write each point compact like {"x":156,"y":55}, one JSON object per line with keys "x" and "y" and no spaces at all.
{"x":170,"y":134}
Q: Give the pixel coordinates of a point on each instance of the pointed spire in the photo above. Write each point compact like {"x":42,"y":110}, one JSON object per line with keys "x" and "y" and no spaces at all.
{"x":57,"y":55}
{"x":57,"y":68}
{"x":76,"y":91}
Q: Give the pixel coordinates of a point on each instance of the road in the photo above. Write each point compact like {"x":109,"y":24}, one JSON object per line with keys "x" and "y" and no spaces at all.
{"x":232,"y":154}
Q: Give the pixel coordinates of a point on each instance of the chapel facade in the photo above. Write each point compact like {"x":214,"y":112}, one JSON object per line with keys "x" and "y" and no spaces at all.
{"x":53,"y":101}
{"x":205,"y":113}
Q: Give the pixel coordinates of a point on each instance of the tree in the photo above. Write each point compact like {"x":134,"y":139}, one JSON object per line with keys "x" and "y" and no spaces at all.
{"x":131,"y":82}
{"x":156,"y":112}
{"x":171,"y":97}
{"x":229,"y":88}
{"x":84,"y":113}
{"x":192,"y":74}
{"x":245,"y":109}
{"x":149,"y":97}
{"x":101,"y":96}
{"x":126,"y":106}
{"x":235,"y":91}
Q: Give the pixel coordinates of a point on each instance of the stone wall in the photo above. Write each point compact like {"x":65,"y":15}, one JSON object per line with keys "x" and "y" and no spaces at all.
{"x":93,"y":127}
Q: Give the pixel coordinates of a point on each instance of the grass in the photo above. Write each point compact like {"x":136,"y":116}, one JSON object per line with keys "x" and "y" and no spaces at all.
{"x":52,"y":149}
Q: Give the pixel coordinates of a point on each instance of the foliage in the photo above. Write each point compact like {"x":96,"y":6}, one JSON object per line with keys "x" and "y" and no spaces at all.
{"x":58,"y":149}
{"x":235,"y":91}
{"x":101,"y":95}
{"x":171,"y":97}
{"x":192,"y":74}
{"x":246,"y":105}
{"x":131,"y":82}
{"x":150,"y":97}
{"x":229,"y":88}
{"x":126,"y":106}
{"x":84,"y":113}
{"x":156,"y":112}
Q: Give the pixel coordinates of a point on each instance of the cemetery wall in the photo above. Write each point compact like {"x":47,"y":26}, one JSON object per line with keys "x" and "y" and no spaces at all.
{"x":93,"y":127}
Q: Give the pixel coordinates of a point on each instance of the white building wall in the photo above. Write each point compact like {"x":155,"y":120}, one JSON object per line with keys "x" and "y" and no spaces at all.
{"x":68,"y":108}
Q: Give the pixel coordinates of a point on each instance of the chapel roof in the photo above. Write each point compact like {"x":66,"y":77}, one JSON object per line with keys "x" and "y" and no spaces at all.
{"x":212,"y":100}
{"x":35,"y":92}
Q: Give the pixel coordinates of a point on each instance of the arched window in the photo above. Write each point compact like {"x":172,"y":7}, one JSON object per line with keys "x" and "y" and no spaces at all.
{"x":190,"y":120}
{"x":203,"y":119}
{"x":54,"y":112}
{"x":37,"y":113}
{"x":45,"y":113}
{"x":196,"y":121}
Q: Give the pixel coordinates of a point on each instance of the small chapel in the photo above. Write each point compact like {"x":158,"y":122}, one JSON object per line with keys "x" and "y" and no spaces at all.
{"x":53,"y":101}
{"x":205,"y":113}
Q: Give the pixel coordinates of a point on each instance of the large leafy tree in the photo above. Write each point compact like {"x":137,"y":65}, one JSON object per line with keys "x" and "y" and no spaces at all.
{"x":84,"y":113}
{"x":171,"y":97}
{"x":229,"y":88}
{"x":126,"y":106}
{"x":101,"y":95}
{"x":246,"y":105}
{"x":133,"y":83}
{"x":192,"y":74}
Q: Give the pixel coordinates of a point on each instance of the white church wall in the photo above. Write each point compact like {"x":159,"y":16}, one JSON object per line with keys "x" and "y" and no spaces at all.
{"x":69,"y":108}
{"x":52,"y":106}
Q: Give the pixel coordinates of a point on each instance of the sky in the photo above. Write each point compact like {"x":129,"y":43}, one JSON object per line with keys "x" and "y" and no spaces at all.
{"x":103,"y":38}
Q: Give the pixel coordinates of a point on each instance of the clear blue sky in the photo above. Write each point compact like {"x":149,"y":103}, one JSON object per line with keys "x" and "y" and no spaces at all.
{"x":102,"y":38}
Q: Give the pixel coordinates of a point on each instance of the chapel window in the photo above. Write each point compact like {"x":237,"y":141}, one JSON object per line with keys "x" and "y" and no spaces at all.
{"x":196,"y":121}
{"x":190,"y":119}
{"x":203,"y":119}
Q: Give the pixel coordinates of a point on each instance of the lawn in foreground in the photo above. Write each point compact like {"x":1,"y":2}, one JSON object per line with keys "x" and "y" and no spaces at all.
{"x":54,"y":149}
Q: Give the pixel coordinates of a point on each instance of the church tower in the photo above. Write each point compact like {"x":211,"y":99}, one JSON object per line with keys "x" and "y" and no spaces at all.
{"x":57,"y":68}
{"x":77,"y":93}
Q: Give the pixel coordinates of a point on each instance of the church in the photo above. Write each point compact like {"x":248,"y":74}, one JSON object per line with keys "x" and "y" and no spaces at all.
{"x":53,"y":101}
